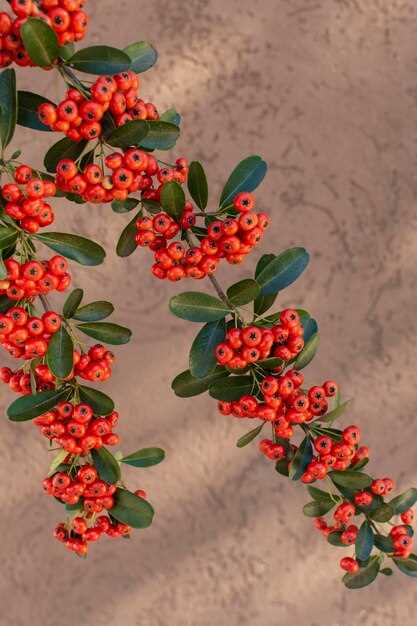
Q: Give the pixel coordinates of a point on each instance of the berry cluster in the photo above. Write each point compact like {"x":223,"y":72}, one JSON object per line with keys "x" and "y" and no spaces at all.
{"x":25,"y":200}
{"x":231,"y":238}
{"x":65,"y":17}
{"x":76,"y":429}
{"x":80,"y":117}
{"x":252,"y":344}
{"x":129,"y":171}
{"x":20,"y":381}
{"x":27,"y":337}
{"x":33,"y":278}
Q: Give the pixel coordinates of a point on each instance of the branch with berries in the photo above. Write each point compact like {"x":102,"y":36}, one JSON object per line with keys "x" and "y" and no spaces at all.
{"x":55,"y":363}
{"x":249,"y":359}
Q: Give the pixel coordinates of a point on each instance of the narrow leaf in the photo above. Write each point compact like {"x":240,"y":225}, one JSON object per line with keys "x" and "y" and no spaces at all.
{"x":145,"y":457}
{"x":197,"y":184}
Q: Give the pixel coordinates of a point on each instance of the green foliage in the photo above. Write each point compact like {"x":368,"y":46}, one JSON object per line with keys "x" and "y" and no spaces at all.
{"x":301,"y":459}
{"x":250,"y":436}
{"x":74,"y":247}
{"x":197,"y":184}
{"x":195,"y":306}
{"x":8,"y":106}
{"x":404,"y":501}
{"x":161,"y":136}
{"x":27,"y":113}
{"x":364,"y":541}
{"x":246,"y":176}
{"x":60,"y":355}
{"x":232,"y":388}
{"x":106,"y":332}
{"x":127,"y":244}
{"x":146,"y":457}
{"x":185,"y":385}
{"x":365,"y":576}
{"x":142,"y":56}
{"x":282,"y":270}
{"x":308,"y":353}
{"x":94,"y":312}
{"x":202,"y":357}
{"x":72,"y":303}
{"x":107,"y":466}
{"x":63,"y":149}
{"x":99,"y":402}
{"x":173,"y":200}
{"x":100,"y":60}
{"x":29,"y":407}
{"x":40,"y":41}
{"x":130,"y":134}
{"x":132,"y":510}
{"x":243,"y":292}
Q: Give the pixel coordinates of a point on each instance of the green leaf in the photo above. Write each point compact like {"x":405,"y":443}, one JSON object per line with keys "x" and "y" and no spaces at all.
{"x":195,"y":306}
{"x":407,"y":566}
{"x":263,"y":303}
{"x":365,"y":576}
{"x":60,"y":355}
{"x":130,"y":134}
{"x":383,"y":513}
{"x":351,"y":479}
{"x":301,"y":459}
{"x":100,"y":60}
{"x":173,"y":200}
{"x":246,"y":176}
{"x":28,"y":407}
{"x":232,"y":388}
{"x":8,"y":236}
{"x":74,"y":247}
{"x":145,"y":457}
{"x":58,"y":460}
{"x":281,"y":467}
{"x":282,"y":270}
{"x":127,"y":243}
{"x":404,"y":501}
{"x":335,"y":539}
{"x":316,"y":508}
{"x":72,"y":303}
{"x":124,"y":206}
{"x":271,"y":363}
{"x":384,"y":543}
{"x":319,"y":494}
{"x":186,"y":386}
{"x":27,"y":114}
{"x":6,"y":304}
{"x":63,"y":149}
{"x":67,"y":51}
{"x":197,"y":184}
{"x":8,"y":106}
{"x":100,"y":403}
{"x":364,"y":541}
{"x":172,"y":116}
{"x":132,"y":510}
{"x":94,"y":312}
{"x":106,"y":332}
{"x":40,"y":41}
{"x":243,"y":292}
{"x":330,"y":417}
{"x":308,"y":353}
{"x":250,"y":436}
{"x":202,"y":357}
{"x":161,"y":136}
{"x":107,"y":466}
{"x":142,"y":56}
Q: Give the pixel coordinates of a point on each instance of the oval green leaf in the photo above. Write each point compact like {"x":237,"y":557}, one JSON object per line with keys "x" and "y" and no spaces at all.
{"x":351,"y":479}
{"x":124,"y":206}
{"x":100,"y":403}
{"x":243,"y":292}
{"x":301,"y":459}
{"x":107,"y":466}
{"x":29,"y":407}
{"x":173,"y":200}
{"x":195,"y":306}
{"x":365,"y":576}
{"x":383,"y":513}
{"x":127,"y":243}
{"x":316,"y":508}
{"x":74,"y":247}
{"x":407,"y":566}
{"x":60,"y":355}
{"x":72,"y":303}
{"x":202,"y":357}
{"x":8,"y":106}
{"x":100,"y":60}
{"x":197,"y":184}
{"x":232,"y":388}
{"x":27,"y":114}
{"x":246,"y":176}
{"x":8,"y":236}
{"x":94,"y":312}
{"x":106,"y":332}
{"x":364,"y":541}
{"x":40,"y":41}
{"x":132,"y":510}
{"x":172,"y":116}
{"x":404,"y":501}
{"x":130,"y":134}
{"x":186,"y":386}
{"x":63,"y":149}
{"x":330,"y":417}
{"x":250,"y":436}
{"x":142,"y":56}
{"x":145,"y":457}
{"x":161,"y":136}
{"x":282,"y":270}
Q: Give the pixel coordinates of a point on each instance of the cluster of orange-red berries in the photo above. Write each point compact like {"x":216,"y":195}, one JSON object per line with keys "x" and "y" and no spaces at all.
{"x":27,"y":337}
{"x":252,"y":344}
{"x":76,"y":429}
{"x":33,"y":278}
{"x":81,"y":118}
{"x":129,"y":171}
{"x":232,"y":239}
{"x":25,"y":199}
{"x":65,"y":17}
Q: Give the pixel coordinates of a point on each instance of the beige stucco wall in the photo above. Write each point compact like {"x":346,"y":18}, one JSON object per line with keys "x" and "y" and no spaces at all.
{"x":326,"y":91}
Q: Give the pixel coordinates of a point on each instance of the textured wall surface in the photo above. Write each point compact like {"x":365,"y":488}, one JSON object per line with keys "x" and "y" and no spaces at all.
{"x":326,"y":91}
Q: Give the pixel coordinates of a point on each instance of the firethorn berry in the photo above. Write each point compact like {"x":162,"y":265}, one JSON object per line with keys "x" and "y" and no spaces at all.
{"x":363,"y":498}
{"x":349,"y":564}
{"x":27,"y":280}
{"x":407,"y":517}
{"x":80,"y":117}
{"x":25,"y":203}
{"x":65,"y":17}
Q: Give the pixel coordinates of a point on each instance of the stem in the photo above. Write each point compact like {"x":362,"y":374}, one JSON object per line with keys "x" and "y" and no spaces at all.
{"x":71,"y":79}
{"x":45,"y":302}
